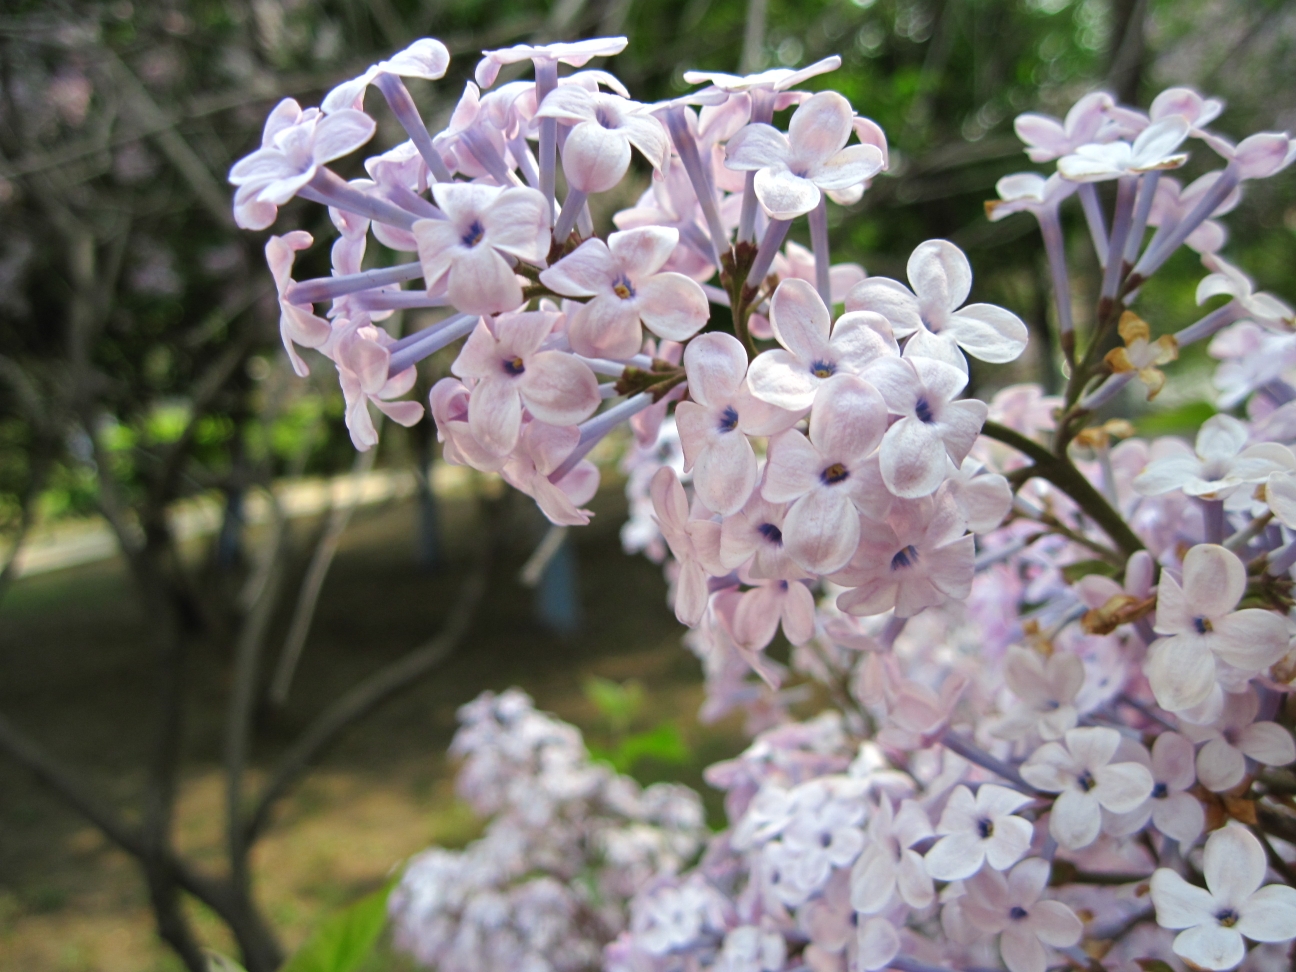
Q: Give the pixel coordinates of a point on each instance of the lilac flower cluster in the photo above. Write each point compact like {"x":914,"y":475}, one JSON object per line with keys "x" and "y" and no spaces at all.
{"x":568,"y":843}
{"x":1058,"y":656}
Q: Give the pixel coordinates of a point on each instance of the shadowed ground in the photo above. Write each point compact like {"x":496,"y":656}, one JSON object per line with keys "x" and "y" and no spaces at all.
{"x":74,"y":673}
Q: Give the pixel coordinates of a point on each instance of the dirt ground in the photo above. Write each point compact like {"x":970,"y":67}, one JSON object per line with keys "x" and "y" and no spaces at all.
{"x":74,"y":674}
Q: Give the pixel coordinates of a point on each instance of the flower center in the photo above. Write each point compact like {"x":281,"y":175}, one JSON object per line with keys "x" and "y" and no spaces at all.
{"x":1159,"y":791}
{"x":905,"y":558}
{"x":985,"y":827}
{"x":1202,"y":625}
{"x":728,"y":419}
{"x":823,"y":369}
{"x":606,"y":118}
{"x":1086,"y":781}
{"x":771,"y":533}
{"x":623,"y":288}
{"x":923,"y":411}
{"x":834,"y":474}
{"x":474,"y":235}
{"x":1228,"y":917}
{"x":513,"y":366}
{"x":1017,"y":913}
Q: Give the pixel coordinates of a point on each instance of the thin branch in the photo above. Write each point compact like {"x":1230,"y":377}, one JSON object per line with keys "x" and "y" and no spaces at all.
{"x":313,"y":584}
{"x":367,"y":696}
{"x":1062,"y":474}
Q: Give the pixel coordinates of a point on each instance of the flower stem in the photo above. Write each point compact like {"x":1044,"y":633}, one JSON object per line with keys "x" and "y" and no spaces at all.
{"x":1060,"y":471}
{"x":818,"y":218}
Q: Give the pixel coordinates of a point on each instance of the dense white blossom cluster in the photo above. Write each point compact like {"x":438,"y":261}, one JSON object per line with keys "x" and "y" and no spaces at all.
{"x":568,"y":844}
{"x":1059,"y":655}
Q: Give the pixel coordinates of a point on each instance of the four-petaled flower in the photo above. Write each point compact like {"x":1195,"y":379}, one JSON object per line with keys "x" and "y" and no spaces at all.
{"x":1010,"y":906}
{"x":1203,"y":630}
{"x":888,"y":864}
{"x":978,"y":830}
{"x":510,"y":370}
{"x":933,"y":316}
{"x":714,"y":426}
{"x":484,"y":226}
{"x":814,"y":349}
{"x":1235,"y":736}
{"x":1215,"y":919}
{"x":825,"y":477}
{"x":1081,"y":771}
{"x":624,"y":280}
{"x":793,"y":170}
{"x":932,"y":425}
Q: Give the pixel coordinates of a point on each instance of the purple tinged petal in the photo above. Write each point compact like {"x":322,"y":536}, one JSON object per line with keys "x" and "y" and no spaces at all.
{"x":1022,"y":951}
{"x":715,"y":364}
{"x":849,"y":167}
{"x":757,"y":147}
{"x":1215,"y":948}
{"x":642,"y":252}
{"x":1267,"y":743}
{"x":940,"y":275}
{"x":559,"y":389}
{"x":913,"y":458}
{"x":517,"y":222}
{"x":724,"y":473}
{"x":821,"y":530}
{"x":586,"y":271}
{"x":800,"y":320}
{"x":495,"y":415}
{"x":988,"y":332}
{"x":482,"y":283}
{"x":594,"y":158}
{"x":1219,"y":765}
{"x":792,"y":467}
{"x":1234,"y":865}
{"x":1181,"y":671}
{"x":606,"y":327}
{"x":782,"y":380}
{"x":1269,"y":915}
{"x":1251,"y":639}
{"x":341,"y":133}
{"x":848,"y":419}
{"x":672,"y":306}
{"x":785,"y":195}
{"x":890,"y":298}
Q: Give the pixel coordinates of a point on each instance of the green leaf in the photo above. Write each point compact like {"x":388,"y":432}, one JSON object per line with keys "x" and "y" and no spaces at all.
{"x":343,"y":942}
{"x":618,"y":702}
{"x":1083,"y":568}
{"x":1153,"y":965}
{"x":663,"y":744}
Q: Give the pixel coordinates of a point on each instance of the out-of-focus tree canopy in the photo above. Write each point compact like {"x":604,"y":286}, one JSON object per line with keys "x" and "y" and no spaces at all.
{"x":137,"y":323}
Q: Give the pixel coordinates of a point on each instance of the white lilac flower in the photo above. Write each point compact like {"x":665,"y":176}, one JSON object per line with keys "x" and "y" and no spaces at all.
{"x":933,"y":315}
{"x":1213,"y":921}
{"x":1235,"y":737}
{"x":984,"y":829}
{"x":1171,"y":808}
{"x":792,"y":169}
{"x":1202,"y":630}
{"x":889,"y":865}
{"x":1080,"y":770}
{"x":1221,"y":464}
{"x":1010,"y":906}
{"x":1047,"y":690}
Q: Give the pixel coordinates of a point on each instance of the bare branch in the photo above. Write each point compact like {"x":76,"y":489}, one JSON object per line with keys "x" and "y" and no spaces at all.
{"x":368,"y":695}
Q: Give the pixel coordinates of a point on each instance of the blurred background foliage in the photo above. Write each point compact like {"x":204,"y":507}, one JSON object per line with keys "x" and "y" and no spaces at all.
{"x":139,"y":355}
{"x":119,"y":120}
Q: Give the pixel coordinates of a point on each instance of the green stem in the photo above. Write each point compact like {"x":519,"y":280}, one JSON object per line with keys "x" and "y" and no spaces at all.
{"x":1059,"y":471}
